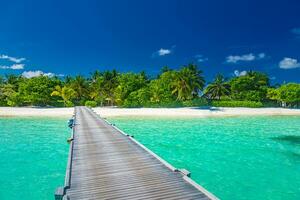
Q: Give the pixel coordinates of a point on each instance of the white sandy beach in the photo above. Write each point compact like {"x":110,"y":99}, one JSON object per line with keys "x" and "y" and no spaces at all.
{"x":35,"y":112}
{"x":149,"y":112}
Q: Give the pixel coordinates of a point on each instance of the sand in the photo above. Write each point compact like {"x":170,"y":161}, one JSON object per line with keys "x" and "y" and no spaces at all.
{"x":35,"y":112}
{"x":149,"y":112}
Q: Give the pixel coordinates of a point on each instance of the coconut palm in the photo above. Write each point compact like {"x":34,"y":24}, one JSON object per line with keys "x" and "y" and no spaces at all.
{"x":188,"y":82}
{"x":102,"y":86}
{"x":217,"y":88}
{"x":97,"y":92}
{"x":197,"y":79}
{"x":66,"y":93}
{"x":80,"y":86}
{"x":109,"y":86}
{"x":95,"y":75}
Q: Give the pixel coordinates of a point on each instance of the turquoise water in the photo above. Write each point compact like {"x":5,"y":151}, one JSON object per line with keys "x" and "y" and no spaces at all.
{"x":234,"y":157}
{"x":33,"y":158}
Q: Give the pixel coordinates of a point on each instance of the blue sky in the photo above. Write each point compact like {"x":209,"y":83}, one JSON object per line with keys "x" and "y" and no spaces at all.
{"x":78,"y":37}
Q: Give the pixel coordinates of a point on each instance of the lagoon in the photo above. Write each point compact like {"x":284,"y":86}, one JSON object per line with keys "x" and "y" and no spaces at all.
{"x":232,"y":157}
{"x":33,"y":158}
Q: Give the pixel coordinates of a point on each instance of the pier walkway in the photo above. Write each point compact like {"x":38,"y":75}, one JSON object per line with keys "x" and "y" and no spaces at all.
{"x":105,"y":163}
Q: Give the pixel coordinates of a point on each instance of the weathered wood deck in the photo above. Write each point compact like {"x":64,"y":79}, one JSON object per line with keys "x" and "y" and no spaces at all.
{"x":105,"y":163}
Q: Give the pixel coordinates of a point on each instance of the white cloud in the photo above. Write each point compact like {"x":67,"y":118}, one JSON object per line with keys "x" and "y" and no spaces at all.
{"x":163,"y":52}
{"x":246,"y":57}
{"x":201,"y":58}
{"x":289,"y":63}
{"x":17,"y":66}
{"x":31,"y":74}
{"x":235,"y":59}
{"x":12,"y":59}
{"x":49,"y":74}
{"x":240,"y":73}
{"x":14,"y":66}
{"x":15,"y":60}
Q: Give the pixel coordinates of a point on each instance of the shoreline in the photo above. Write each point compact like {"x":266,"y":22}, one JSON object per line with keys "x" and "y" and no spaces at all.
{"x":35,"y":112}
{"x":148,"y":112}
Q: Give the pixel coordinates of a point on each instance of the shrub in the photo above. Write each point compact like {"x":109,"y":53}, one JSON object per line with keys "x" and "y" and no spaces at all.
{"x":58,"y":103}
{"x":139,"y":98}
{"x":195,"y":102}
{"x":271,"y":104}
{"x":249,"y":104}
{"x":169,"y":104}
{"x":135,"y":103}
{"x":69,"y":104}
{"x":90,"y":103}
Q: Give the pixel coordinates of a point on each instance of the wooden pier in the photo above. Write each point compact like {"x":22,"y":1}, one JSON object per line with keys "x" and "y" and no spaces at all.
{"x":106,"y":163}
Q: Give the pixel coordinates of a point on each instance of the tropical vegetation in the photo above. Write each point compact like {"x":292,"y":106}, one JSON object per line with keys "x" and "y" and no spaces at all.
{"x":170,"y":88}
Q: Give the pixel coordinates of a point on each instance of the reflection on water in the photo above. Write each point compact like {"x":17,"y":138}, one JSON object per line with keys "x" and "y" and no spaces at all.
{"x":293,"y":139}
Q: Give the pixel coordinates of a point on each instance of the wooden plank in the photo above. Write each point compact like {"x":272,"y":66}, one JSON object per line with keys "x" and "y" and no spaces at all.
{"x":104,"y":163}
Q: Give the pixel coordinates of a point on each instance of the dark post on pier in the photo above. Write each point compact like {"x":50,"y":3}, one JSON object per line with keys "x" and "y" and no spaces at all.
{"x":106,"y":163}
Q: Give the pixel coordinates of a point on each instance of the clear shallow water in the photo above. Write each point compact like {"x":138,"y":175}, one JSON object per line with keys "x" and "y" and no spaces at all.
{"x":234,"y":157}
{"x":33,"y":157}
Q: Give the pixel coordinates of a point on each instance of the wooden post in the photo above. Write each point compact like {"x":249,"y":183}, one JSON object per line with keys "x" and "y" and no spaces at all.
{"x":185,"y":172}
{"x":66,"y":197}
{"x":59,"y":193}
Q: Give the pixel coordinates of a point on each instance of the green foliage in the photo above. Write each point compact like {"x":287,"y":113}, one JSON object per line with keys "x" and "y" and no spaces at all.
{"x":251,"y":87}
{"x":103,"y":86}
{"x":134,"y":103}
{"x":37,"y":90}
{"x":129,"y":83}
{"x":250,"y":104}
{"x":218,"y":88}
{"x":80,"y":86}
{"x":19,"y":91}
{"x":8,"y":95}
{"x":90,"y":104}
{"x":171,"y":88}
{"x":287,"y":94}
{"x":196,"y":102}
{"x":161,"y":89}
{"x":66,"y":93}
{"x":69,"y":104}
{"x":137,"y":98}
{"x":187,"y":82}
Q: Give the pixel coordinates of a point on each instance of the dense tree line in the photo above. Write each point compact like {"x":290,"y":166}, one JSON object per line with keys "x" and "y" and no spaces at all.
{"x":171,"y":88}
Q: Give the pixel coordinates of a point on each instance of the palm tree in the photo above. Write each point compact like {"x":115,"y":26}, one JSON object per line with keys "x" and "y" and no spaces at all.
{"x":96,"y":74}
{"x":110,"y":84}
{"x":68,"y":79}
{"x":66,"y":93}
{"x":188,"y":82}
{"x":181,"y":86}
{"x":80,"y":86}
{"x":97,"y":90}
{"x":196,"y":79}
{"x":103,"y":85}
{"x":165,"y":69}
{"x":217,"y":88}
